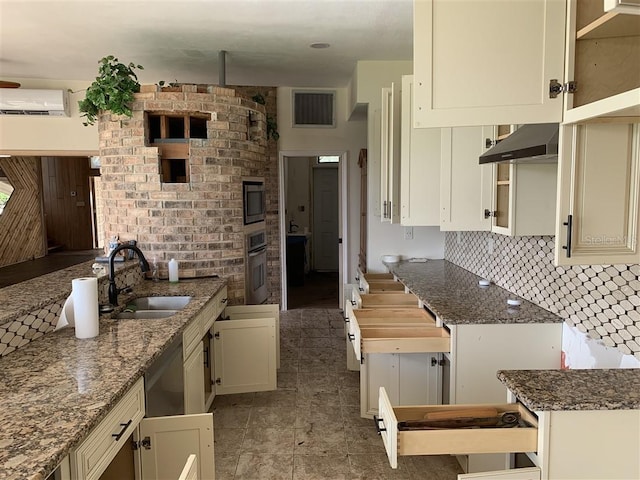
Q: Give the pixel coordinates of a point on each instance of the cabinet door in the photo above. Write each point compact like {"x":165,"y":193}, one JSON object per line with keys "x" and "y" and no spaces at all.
{"x":419,"y":167}
{"x":245,"y":355}
{"x":193,"y":382}
{"x":598,"y":194}
{"x":269,"y":310}
{"x":390,"y":154}
{"x":171,"y":440}
{"x":190,"y":470}
{"x":465,"y":185}
{"x":470,"y":70}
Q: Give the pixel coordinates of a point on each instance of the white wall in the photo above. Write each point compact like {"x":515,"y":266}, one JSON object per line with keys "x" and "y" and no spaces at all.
{"x":348,"y":136}
{"x":36,"y":134}
{"x":384,"y":238}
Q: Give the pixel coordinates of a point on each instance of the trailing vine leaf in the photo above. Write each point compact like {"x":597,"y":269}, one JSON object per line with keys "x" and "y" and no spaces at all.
{"x":272,"y":125}
{"x":112,"y":90}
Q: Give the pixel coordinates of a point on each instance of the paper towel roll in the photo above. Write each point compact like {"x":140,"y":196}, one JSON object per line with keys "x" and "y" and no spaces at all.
{"x":84,"y":292}
{"x":66,"y":314}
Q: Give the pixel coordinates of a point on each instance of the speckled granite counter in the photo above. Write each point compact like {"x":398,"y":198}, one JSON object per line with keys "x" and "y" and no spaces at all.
{"x":592,"y":389}
{"x":57,"y":388}
{"x":454,"y":295}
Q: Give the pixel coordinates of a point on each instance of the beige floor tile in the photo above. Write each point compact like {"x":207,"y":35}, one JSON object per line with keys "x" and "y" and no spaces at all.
{"x":321,"y":467}
{"x":225,"y":464}
{"x":261,"y":466}
{"x":320,"y":440}
{"x":317,"y":332}
{"x":268,"y":440}
{"x":275,"y":398}
{"x":283,"y":416}
{"x":227,"y":440}
{"x":287,"y":380}
{"x":349,"y":395}
{"x":231,"y":417}
{"x":234,"y":400}
{"x":351,"y":417}
{"x":314,"y":397}
{"x":308,"y":416}
{"x":376,"y":467}
{"x":365,"y":440}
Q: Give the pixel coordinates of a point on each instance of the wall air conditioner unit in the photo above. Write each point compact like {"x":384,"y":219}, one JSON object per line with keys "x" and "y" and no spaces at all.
{"x":23,"y":101}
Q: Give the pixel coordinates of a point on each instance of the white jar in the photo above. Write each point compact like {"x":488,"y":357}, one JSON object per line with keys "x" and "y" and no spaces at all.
{"x":173,"y":270}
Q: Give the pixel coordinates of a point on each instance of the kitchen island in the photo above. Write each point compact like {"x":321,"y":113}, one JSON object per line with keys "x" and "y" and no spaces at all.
{"x":56,"y":389}
{"x":588,"y":421}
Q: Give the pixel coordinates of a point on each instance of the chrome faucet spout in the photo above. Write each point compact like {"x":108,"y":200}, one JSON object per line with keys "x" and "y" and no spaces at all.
{"x":113,"y":289}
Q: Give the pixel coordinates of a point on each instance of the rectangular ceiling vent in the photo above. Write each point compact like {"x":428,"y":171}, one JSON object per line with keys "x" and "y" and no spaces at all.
{"x":314,"y":108}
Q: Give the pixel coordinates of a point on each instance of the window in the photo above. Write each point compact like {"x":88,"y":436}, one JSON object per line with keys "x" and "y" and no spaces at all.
{"x":313,"y":108}
{"x":328,"y":159}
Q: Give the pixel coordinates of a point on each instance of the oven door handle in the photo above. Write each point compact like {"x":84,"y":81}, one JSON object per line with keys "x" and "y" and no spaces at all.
{"x":257,"y":252}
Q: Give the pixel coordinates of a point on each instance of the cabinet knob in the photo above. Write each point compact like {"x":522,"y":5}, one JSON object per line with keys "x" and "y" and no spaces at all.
{"x":488,"y":213}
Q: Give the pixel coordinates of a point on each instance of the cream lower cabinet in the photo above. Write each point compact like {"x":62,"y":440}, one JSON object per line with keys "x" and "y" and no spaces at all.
{"x":560,"y":444}
{"x":245,"y":352}
{"x":397,"y":348}
{"x":598,"y":216}
{"x":478,"y":351}
{"x":124,"y":445}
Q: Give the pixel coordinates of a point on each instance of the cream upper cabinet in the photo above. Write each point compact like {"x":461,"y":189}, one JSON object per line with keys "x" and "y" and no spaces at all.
{"x":524,"y":195}
{"x":470,"y":70}
{"x":465,"y":185}
{"x":419,"y":167}
{"x":390,"y":154}
{"x":603,"y":48}
{"x":573,"y":61}
{"x":598,"y":194}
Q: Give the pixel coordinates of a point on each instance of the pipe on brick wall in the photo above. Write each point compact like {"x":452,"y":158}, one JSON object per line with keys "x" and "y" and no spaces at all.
{"x":222,"y":68}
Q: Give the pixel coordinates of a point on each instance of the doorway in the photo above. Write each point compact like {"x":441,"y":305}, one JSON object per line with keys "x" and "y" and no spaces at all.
{"x":312,"y":227}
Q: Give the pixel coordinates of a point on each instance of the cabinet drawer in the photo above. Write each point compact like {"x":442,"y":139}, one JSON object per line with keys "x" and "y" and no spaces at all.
{"x":99,"y":448}
{"x":384,"y":286}
{"x":401,"y":330}
{"x":387,"y":300}
{"x":451,"y":440}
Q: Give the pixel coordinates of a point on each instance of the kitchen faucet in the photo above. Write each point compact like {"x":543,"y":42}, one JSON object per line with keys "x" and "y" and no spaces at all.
{"x":113,"y":290}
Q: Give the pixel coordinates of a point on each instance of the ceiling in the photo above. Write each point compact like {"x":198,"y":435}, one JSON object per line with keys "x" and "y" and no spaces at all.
{"x":179,"y":41}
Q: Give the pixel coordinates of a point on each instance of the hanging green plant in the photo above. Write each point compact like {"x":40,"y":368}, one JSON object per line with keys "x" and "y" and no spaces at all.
{"x":112,"y":90}
{"x":272,"y":125}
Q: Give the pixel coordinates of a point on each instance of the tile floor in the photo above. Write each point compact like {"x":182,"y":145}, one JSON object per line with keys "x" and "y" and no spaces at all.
{"x":310,"y":427}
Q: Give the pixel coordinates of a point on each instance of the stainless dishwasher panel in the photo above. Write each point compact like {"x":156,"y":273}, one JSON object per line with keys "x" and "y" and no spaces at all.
{"x":164,"y":383}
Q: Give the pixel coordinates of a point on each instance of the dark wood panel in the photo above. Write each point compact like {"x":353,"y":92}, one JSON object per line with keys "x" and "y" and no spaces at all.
{"x":21,"y":223}
{"x":67,"y":204}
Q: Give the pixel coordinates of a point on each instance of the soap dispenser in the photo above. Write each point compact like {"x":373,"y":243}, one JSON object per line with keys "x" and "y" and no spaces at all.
{"x":173,"y":271}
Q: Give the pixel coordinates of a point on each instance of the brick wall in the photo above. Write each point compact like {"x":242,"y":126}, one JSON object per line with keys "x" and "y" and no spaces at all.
{"x":198,"y":223}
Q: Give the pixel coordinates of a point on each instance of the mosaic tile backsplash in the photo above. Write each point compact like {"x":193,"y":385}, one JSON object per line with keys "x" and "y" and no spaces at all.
{"x":602,"y":301}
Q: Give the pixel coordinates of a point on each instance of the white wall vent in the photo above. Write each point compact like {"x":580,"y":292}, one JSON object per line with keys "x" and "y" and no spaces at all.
{"x":314,"y":108}
{"x":24,"y":101}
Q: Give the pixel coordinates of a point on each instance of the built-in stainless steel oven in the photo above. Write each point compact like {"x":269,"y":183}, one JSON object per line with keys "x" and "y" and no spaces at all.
{"x":254,"y":200}
{"x":256,"y":267}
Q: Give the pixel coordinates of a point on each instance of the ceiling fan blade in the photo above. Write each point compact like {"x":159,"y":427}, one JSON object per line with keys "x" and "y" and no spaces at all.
{"x":4,"y":84}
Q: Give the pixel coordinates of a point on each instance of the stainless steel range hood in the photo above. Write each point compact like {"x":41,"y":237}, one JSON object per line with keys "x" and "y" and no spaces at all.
{"x":533,"y":143}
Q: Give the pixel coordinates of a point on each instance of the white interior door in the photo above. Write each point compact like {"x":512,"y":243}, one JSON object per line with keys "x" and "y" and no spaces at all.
{"x":325,"y":219}
{"x":172,"y":440}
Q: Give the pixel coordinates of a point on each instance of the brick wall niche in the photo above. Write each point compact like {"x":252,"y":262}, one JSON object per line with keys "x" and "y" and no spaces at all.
{"x":209,"y":137}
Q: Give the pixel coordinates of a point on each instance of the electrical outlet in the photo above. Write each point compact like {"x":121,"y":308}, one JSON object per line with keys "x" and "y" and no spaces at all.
{"x":408,"y":233}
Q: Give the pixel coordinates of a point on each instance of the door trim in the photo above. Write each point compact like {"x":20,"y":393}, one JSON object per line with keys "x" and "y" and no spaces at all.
{"x":342,"y":217}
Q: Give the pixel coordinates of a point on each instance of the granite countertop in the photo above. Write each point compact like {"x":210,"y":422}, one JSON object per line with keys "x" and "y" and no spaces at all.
{"x":57,"y":388}
{"x":453,"y":294}
{"x":591,"y":389}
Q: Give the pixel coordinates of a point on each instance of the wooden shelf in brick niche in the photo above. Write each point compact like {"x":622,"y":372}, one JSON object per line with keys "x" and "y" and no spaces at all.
{"x":170,"y":132}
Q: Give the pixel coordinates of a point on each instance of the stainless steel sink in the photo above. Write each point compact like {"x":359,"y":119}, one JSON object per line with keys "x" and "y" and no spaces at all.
{"x":158,"y":303}
{"x":146,"y":314}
